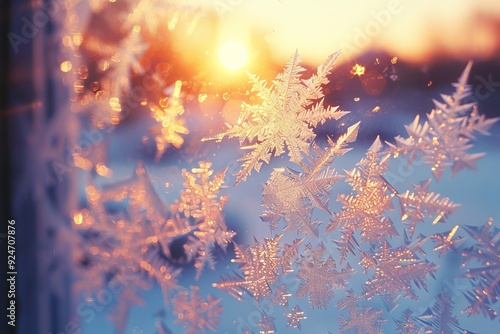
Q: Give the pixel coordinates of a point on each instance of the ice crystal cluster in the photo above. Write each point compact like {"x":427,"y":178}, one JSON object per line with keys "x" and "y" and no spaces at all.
{"x":354,"y":251}
{"x":291,"y":107}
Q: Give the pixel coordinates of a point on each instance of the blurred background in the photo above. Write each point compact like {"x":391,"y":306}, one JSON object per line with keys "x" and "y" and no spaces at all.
{"x":75,"y":71}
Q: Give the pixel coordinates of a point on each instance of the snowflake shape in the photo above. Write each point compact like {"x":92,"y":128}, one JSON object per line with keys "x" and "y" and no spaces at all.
{"x":295,"y":316}
{"x":170,"y":126}
{"x":396,"y":269}
{"x":318,"y":277}
{"x":259,"y":265}
{"x":365,"y":208}
{"x":416,"y":206}
{"x":445,"y":242}
{"x":131,"y":243}
{"x":486,"y":277}
{"x":125,"y":60}
{"x":361,"y":320}
{"x":444,"y":139}
{"x":293,"y":195}
{"x":281,"y":295}
{"x":195,"y":313}
{"x":285,"y":118}
{"x":266,"y":322}
{"x":407,"y":324}
{"x":200,"y":201}
{"x":439,"y":318}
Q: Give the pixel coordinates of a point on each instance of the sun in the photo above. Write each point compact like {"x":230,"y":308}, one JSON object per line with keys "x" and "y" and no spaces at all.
{"x":232,"y":55}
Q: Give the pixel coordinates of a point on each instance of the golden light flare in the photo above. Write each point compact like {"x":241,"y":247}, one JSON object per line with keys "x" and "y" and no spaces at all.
{"x":437,"y":28}
{"x":358,"y":70}
{"x":232,"y":55}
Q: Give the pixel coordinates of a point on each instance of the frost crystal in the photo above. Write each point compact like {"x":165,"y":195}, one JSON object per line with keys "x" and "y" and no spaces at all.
{"x":259,"y":265}
{"x":365,"y":208}
{"x":289,"y":110}
{"x":293,"y":195}
{"x":440,"y":319}
{"x":396,"y":269}
{"x":318,"y":277}
{"x":199,"y":201}
{"x":267,"y":324}
{"x":445,"y":242}
{"x":126,"y":233}
{"x":295,"y":316}
{"x":407,"y":324}
{"x":416,"y":206}
{"x":126,"y":246}
{"x":289,"y":253}
{"x":170,"y":125}
{"x":361,"y":320}
{"x":485,"y":277}
{"x":195,"y":313}
{"x":125,"y":60}
{"x":444,"y":139}
{"x":281,"y":296}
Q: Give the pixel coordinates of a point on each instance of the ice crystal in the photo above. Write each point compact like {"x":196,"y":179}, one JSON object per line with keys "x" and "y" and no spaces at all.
{"x":127,"y":232}
{"x":282,"y":195}
{"x":416,"y":206}
{"x":445,"y":138}
{"x":293,"y":195}
{"x":318,"y":276}
{"x":396,"y":270}
{"x":289,"y":253}
{"x":407,"y":324}
{"x":125,"y":60}
{"x":266,"y":322}
{"x":361,"y":320}
{"x":445,"y":242}
{"x":195,"y":313}
{"x":485,"y":274}
{"x":365,"y":208}
{"x":131,"y":242}
{"x":440,"y":319}
{"x":199,"y":201}
{"x":281,"y":295}
{"x":259,"y":264}
{"x":295,"y":316}
{"x":170,"y":126}
{"x":290,"y":108}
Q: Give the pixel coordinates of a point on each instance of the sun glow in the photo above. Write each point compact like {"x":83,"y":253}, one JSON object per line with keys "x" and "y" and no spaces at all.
{"x":232,"y":55}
